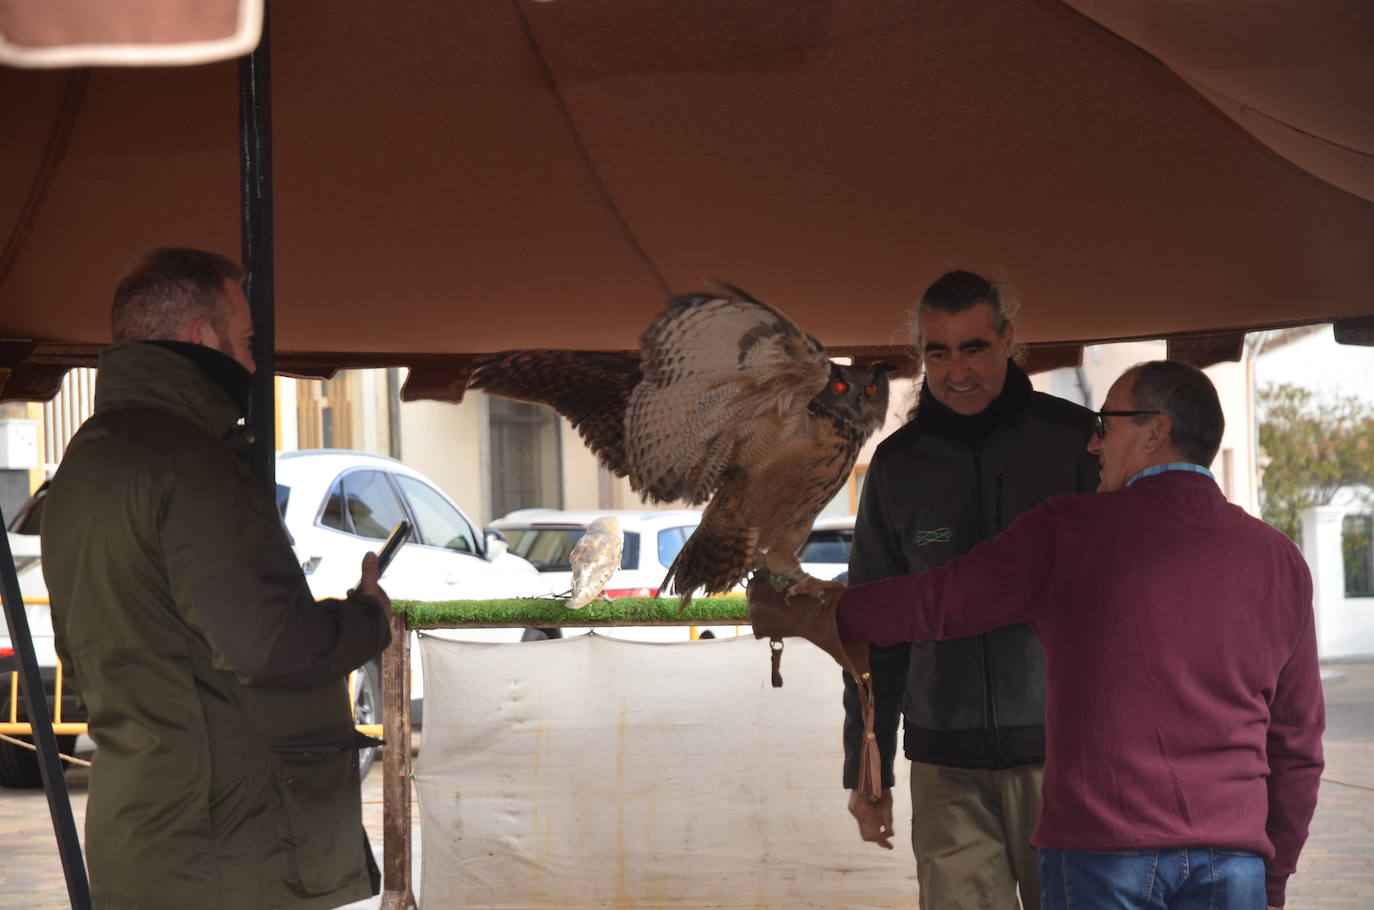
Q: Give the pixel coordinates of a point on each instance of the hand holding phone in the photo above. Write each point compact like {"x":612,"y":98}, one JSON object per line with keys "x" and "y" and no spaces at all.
{"x":399,"y":535}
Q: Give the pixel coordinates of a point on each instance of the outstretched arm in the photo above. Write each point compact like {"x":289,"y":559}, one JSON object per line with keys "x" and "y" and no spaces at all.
{"x":997,"y":583}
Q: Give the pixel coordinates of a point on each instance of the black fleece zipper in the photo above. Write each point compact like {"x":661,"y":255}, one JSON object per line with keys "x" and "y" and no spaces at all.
{"x":984,"y":649}
{"x":998,"y":512}
{"x":994,"y":725}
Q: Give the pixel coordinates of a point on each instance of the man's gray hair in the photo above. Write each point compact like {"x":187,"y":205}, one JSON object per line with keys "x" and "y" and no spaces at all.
{"x":1185,"y":394}
{"x":167,"y":289}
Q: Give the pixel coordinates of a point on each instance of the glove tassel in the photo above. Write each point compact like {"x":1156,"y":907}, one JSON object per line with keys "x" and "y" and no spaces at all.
{"x":870,"y":758}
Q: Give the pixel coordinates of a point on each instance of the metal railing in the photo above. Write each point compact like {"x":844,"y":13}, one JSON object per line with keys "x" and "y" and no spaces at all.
{"x":12,"y":726}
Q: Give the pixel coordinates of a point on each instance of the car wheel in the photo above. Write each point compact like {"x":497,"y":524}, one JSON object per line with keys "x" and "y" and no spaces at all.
{"x":19,"y":766}
{"x":367,"y":708}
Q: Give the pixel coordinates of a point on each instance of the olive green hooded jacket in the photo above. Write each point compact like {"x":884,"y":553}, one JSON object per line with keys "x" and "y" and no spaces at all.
{"x":225,"y":774}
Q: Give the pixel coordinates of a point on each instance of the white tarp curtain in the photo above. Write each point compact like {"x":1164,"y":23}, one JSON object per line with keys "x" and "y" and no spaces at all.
{"x":595,"y":772}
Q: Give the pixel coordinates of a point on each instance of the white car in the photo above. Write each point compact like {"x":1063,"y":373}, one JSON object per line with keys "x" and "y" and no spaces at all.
{"x":652,"y":540}
{"x":825,"y":555}
{"x":24,"y":547}
{"x":338,"y":505}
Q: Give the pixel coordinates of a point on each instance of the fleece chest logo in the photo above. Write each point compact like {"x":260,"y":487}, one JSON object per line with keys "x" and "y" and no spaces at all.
{"x":939,"y":535}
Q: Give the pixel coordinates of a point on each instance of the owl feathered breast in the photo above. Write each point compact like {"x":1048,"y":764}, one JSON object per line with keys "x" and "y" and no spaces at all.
{"x":731,"y":404}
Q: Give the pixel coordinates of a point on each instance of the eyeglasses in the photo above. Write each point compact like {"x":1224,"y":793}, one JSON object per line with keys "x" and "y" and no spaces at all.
{"x":1100,"y":425}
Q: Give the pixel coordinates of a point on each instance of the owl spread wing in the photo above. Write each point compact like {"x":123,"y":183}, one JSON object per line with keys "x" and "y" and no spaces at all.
{"x":589,"y":388}
{"x":713,"y":368}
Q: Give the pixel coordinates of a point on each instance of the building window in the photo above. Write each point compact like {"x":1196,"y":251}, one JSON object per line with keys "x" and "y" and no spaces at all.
{"x":526,"y":471}
{"x":356,"y":409}
{"x":1357,"y":546}
{"x":324,"y":413}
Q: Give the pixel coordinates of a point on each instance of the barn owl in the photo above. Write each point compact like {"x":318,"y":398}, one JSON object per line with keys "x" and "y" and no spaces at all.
{"x":595,"y":557}
{"x":730,"y":404}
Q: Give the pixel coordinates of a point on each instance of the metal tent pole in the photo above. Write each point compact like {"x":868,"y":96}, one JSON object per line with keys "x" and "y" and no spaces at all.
{"x":255,"y":170}
{"x":255,"y":158}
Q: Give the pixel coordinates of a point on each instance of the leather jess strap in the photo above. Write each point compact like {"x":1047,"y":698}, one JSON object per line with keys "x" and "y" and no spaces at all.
{"x":776,"y":615}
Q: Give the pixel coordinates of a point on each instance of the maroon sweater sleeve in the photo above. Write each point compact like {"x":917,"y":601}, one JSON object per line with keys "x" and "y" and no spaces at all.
{"x":1297,"y":717}
{"x":997,"y":583}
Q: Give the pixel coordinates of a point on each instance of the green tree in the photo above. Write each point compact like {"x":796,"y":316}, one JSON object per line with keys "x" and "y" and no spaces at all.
{"x":1310,"y":449}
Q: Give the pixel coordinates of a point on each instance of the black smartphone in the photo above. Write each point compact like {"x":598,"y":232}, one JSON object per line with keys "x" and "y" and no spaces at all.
{"x":399,"y":535}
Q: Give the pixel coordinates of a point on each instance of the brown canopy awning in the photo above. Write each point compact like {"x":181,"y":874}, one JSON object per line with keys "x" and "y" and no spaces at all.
{"x":462,"y":178}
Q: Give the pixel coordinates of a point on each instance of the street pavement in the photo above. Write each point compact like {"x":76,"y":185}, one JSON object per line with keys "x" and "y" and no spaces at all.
{"x":1337,"y":864}
{"x":1336,"y":869}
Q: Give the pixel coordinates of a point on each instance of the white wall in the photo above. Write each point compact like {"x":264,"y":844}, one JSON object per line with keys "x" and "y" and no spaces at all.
{"x":288,"y":426}
{"x":1345,"y":625}
{"x":1235,"y":464}
{"x":444,"y":441}
{"x":1103,"y":364}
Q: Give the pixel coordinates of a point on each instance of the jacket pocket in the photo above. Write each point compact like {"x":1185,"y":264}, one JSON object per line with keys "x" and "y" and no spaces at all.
{"x":321,"y":819}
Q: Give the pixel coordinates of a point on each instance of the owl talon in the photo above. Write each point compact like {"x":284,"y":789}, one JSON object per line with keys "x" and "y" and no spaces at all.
{"x":807,"y":586}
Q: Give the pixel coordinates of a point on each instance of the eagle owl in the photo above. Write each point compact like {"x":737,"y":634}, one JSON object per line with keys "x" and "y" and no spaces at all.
{"x":595,"y":557}
{"x":730,"y":404}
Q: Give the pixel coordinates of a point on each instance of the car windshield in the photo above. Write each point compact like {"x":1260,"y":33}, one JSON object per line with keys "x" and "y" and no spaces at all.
{"x":550,"y":549}
{"x":441,"y":525}
{"x":670,"y":543}
{"x":827,"y":546}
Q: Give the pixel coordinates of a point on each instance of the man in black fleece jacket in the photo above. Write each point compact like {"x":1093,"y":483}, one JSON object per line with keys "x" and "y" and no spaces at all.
{"x":981,"y":449}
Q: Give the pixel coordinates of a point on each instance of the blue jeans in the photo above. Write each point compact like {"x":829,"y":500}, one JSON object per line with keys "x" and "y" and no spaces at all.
{"x":1197,"y":878}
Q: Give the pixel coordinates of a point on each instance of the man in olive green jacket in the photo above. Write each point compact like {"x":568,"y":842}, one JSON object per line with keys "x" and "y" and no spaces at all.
{"x":226,"y":773}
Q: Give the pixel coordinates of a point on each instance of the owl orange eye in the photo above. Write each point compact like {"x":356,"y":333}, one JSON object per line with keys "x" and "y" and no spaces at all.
{"x":871,"y":389}
{"x":839,"y":387}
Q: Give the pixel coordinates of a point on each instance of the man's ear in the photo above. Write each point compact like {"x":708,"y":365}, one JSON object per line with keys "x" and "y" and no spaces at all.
{"x":197,"y":331}
{"x":1161,"y":431}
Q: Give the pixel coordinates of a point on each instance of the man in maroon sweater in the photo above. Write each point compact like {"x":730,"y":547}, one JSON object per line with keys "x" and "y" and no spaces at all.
{"x":1184,"y":708}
